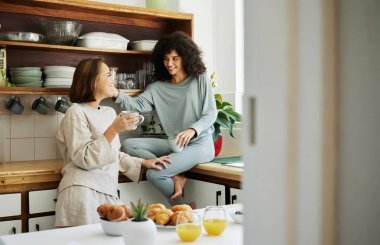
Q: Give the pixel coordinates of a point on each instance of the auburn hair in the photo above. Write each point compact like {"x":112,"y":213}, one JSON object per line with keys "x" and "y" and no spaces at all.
{"x":83,"y":87}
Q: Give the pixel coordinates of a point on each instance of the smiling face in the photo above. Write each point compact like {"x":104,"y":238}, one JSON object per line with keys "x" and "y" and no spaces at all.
{"x":173,"y":63}
{"x":104,"y":83}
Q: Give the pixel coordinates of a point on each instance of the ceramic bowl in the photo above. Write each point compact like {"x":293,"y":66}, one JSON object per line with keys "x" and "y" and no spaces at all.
{"x":113,"y":228}
{"x":19,"y":80}
{"x":236,"y":215}
{"x":26,"y":73}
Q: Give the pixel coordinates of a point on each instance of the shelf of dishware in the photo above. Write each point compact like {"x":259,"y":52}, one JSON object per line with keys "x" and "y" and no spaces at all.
{"x":62,"y":48}
{"x":54,"y":91}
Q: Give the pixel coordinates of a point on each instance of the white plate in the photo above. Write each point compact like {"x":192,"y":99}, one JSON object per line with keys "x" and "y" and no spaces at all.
{"x":59,"y":74}
{"x":57,"y":86}
{"x":59,"y":68}
{"x":170,"y":227}
{"x":59,"y":79}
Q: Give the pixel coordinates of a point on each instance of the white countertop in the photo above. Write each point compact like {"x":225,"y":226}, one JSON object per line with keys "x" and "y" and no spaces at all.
{"x":93,"y":235}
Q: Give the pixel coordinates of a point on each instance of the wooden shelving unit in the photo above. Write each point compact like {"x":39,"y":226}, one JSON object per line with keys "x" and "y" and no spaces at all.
{"x":133,"y":23}
{"x":53,"y":91}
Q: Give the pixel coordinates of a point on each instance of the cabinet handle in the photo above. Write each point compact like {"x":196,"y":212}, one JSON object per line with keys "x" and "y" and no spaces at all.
{"x":14,"y":230}
{"x":233,"y":199}
{"x":118,"y":193}
{"x":37,"y":227}
{"x":218,"y":194}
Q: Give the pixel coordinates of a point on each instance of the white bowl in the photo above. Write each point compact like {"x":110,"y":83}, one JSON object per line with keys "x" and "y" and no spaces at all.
{"x":236,"y":215}
{"x":113,"y":228}
{"x":102,"y":40}
{"x":143,"y":45}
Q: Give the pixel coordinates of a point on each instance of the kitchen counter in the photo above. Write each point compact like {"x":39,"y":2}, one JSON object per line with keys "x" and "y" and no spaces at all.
{"x":29,"y":172}
{"x":93,"y":234}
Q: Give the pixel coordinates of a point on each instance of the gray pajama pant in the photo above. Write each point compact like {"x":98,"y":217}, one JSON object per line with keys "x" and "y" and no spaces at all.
{"x":198,"y":151}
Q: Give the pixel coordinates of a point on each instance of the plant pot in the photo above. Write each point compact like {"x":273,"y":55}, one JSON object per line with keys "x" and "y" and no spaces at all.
{"x":140,"y":232}
{"x":218,"y":145}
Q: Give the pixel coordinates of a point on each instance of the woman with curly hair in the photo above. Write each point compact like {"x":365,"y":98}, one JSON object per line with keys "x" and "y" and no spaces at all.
{"x":183,"y":99}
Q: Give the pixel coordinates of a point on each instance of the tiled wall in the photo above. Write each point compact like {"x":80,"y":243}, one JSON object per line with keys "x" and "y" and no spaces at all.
{"x":31,"y":135}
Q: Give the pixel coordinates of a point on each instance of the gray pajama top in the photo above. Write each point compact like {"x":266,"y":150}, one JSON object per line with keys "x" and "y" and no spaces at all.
{"x":190,"y":104}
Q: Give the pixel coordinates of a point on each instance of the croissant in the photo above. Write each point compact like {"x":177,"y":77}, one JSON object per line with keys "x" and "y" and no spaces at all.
{"x":182,"y":207}
{"x":163,"y":216}
{"x":156,"y":207}
{"x":184,"y":218}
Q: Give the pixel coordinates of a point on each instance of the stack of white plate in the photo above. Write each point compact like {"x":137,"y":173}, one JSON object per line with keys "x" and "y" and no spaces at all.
{"x":26,"y":76}
{"x":58,"y":76}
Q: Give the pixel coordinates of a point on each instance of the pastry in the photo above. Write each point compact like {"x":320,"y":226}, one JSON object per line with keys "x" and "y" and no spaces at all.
{"x":103,"y":210}
{"x":156,"y":207}
{"x":116,"y":213}
{"x":128,"y":212}
{"x":185,"y":218}
{"x":182,"y":207}
{"x":163,"y":216}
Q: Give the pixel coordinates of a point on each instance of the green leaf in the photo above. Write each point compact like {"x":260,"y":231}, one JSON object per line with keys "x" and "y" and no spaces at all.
{"x":218,"y":98}
{"x":216,"y":132}
{"x":225,"y":104}
{"x":233,"y":114}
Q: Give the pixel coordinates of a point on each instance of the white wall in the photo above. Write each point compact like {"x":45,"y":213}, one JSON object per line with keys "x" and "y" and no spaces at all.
{"x":359,"y":185}
{"x":266,"y":51}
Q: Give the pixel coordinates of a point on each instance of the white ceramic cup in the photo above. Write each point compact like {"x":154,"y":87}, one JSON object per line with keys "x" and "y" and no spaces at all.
{"x":174,"y":146}
{"x":130,"y":112}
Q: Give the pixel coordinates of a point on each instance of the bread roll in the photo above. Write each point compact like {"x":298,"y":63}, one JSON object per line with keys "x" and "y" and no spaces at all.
{"x":103,"y":210}
{"x":156,"y":207}
{"x":116,"y":213}
{"x":128,"y":212}
{"x":182,"y":207}
{"x":163,"y":216}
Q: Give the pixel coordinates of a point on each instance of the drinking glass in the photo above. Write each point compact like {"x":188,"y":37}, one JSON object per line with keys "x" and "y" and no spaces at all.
{"x":188,"y":226}
{"x":215,"y":220}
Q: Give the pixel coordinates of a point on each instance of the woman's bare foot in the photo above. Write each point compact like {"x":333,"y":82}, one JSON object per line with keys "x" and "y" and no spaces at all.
{"x":179,"y":183}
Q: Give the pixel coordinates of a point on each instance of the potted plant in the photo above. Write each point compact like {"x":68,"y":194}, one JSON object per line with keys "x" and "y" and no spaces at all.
{"x":226,"y":118}
{"x":4,"y":81}
{"x":140,"y":230}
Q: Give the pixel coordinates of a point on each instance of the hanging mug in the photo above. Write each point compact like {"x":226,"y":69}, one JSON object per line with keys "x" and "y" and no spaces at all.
{"x":62,"y":105}
{"x":14,"y":105}
{"x":40,"y":106}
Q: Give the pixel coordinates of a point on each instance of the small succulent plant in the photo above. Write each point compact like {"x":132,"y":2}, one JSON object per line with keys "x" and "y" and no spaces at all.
{"x":139,"y":211}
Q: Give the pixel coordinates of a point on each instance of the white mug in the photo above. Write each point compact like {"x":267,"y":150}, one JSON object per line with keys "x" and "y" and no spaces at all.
{"x":130,"y":112}
{"x":174,"y":146}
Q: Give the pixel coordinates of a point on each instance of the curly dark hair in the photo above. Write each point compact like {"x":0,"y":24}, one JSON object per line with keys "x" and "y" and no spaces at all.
{"x":185,"y":47}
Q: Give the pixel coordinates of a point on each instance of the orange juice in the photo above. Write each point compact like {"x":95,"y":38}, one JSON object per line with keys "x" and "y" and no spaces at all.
{"x":188,"y":232}
{"x":214,"y":227}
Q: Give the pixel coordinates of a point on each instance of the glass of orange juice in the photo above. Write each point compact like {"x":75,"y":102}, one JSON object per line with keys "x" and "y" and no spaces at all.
{"x":188,"y":226}
{"x":215,"y":220}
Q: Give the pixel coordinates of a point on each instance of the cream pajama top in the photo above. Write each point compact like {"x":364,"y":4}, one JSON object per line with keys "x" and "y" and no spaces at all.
{"x":89,"y":160}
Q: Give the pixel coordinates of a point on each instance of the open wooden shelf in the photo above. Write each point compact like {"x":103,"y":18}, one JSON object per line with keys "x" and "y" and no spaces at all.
{"x":63,"y":48}
{"x":53,"y":91}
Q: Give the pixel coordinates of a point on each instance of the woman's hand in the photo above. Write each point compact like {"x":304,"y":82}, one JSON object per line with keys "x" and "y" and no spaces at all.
{"x":152,"y":163}
{"x":126,"y":122}
{"x":184,"y":137}
{"x":120,"y":124}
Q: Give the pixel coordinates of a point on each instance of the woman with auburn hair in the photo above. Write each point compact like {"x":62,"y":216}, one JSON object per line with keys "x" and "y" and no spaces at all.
{"x":184,"y":101}
{"x":89,"y":143}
